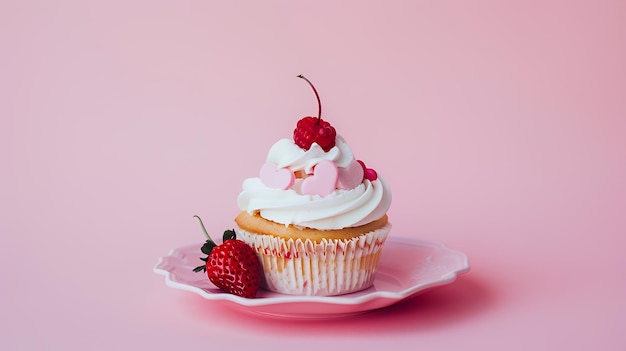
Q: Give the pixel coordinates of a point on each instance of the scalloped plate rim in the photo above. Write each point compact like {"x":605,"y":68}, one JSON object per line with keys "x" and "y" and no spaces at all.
{"x":356,"y":298}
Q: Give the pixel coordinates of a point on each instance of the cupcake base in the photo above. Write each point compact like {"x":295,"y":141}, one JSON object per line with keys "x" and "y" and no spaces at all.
{"x":317,"y":268}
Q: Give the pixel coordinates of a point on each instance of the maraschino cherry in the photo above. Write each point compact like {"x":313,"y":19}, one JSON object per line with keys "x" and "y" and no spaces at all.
{"x":311,"y":130}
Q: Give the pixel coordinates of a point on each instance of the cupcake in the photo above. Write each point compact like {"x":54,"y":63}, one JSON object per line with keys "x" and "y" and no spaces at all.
{"x":315,"y":215}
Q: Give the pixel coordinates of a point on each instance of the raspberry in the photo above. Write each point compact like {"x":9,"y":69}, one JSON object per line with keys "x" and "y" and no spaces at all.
{"x":311,"y":130}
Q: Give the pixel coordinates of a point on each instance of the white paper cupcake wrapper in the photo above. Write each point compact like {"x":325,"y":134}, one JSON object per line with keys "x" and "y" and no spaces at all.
{"x":331,"y":267}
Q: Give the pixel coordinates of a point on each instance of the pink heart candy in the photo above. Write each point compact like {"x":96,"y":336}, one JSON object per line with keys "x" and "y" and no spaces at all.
{"x":323,"y":181}
{"x":350,"y":176}
{"x":277,"y":178}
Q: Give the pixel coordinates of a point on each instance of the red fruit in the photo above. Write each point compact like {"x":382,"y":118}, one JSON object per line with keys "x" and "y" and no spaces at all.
{"x":311,"y":130}
{"x":232,"y":266}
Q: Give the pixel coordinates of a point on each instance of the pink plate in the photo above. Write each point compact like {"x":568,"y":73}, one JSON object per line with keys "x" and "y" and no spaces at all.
{"x":407,"y":267}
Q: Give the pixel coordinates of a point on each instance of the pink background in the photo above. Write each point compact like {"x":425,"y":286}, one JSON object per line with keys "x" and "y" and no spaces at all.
{"x":501,"y":129}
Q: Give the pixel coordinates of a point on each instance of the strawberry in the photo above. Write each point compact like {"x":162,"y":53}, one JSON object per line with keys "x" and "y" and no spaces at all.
{"x":311,"y":130}
{"x":232,"y":266}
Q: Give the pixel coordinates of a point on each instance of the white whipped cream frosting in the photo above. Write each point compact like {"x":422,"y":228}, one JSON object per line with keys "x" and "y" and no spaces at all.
{"x":343,"y":208}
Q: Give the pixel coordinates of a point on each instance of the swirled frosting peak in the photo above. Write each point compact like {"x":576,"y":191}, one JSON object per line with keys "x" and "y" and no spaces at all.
{"x":315,"y":188}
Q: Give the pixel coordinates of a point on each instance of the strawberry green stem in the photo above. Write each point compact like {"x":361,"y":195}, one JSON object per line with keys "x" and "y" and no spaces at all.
{"x":203,"y":228}
{"x":319,"y":103}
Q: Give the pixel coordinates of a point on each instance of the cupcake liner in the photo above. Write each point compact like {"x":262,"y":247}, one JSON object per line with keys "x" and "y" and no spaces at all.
{"x":330,"y":267}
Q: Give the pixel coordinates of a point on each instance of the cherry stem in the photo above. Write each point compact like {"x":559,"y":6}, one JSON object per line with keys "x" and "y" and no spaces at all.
{"x":203,"y":228}
{"x":319,"y":103}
